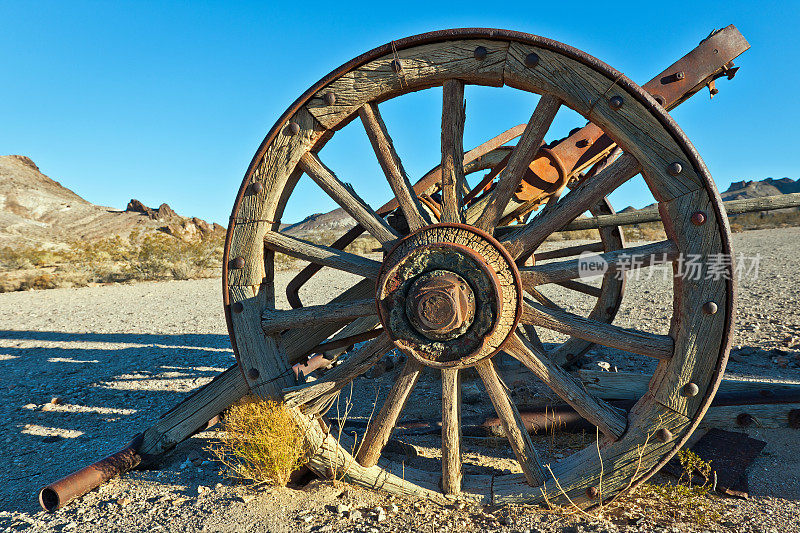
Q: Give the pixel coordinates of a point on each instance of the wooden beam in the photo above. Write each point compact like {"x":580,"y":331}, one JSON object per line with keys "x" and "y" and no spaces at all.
{"x":322,"y":255}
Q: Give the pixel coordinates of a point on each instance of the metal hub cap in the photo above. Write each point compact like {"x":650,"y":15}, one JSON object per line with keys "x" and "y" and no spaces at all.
{"x":440,"y":305}
{"x":449,"y":295}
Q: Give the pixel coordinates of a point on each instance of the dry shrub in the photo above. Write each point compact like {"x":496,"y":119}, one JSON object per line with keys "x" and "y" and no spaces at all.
{"x":260,"y":442}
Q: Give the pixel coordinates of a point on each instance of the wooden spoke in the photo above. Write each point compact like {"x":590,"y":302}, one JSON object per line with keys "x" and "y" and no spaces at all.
{"x":572,"y":205}
{"x":543,"y":299}
{"x":523,"y":154}
{"x":392,"y":167}
{"x":569,"y":251}
{"x":322,"y":255}
{"x":453,"y":118}
{"x":380,"y":428}
{"x":344,"y":195}
{"x":512,"y":422}
{"x":275,"y":320}
{"x":657,"y":253}
{"x":451,"y":431}
{"x":611,"y":421}
{"x":534,"y":339}
{"x":630,"y":340}
{"x":577,"y":286}
{"x":316,"y":396}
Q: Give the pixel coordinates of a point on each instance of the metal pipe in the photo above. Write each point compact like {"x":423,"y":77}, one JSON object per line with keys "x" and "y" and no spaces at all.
{"x":66,"y":489}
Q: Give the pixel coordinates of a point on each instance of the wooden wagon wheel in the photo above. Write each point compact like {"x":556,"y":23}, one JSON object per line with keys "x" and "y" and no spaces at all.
{"x":450,"y":294}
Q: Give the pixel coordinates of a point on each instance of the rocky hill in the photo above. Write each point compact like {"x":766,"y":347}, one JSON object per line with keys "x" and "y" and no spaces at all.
{"x":38,"y":211}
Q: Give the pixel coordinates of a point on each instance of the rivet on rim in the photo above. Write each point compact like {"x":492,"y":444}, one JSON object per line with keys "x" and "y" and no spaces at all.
{"x":674,"y":169}
{"x":709,"y":308}
{"x":257,"y":187}
{"x":616,"y":102}
{"x":237,"y":307}
{"x":329,"y":98}
{"x":294,"y":128}
{"x":531,"y":60}
{"x":480,"y":53}
{"x":744,"y":419}
{"x":660,"y":99}
{"x":664,"y":435}
{"x":237,"y":263}
{"x":396,"y":66}
{"x":690,"y":390}
{"x":253,"y":373}
{"x":699,"y":218}
{"x":592,"y":493}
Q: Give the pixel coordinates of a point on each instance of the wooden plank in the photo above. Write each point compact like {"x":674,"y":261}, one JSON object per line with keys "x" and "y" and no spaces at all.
{"x":392,"y":166}
{"x":453,"y":118}
{"x":635,"y":257}
{"x":322,"y":255}
{"x":632,"y":386}
{"x":611,"y":421}
{"x":630,"y":340}
{"x":589,"y":92}
{"x":698,"y":334}
{"x":421,"y":67}
{"x":275,"y":320}
{"x":513,"y":425}
{"x":451,"y":431}
{"x":380,"y":428}
{"x":764,"y":416}
{"x":509,"y":179}
{"x":348,"y":199}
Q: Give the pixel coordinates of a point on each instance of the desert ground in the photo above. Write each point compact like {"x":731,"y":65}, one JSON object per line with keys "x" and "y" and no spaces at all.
{"x":118,"y":355}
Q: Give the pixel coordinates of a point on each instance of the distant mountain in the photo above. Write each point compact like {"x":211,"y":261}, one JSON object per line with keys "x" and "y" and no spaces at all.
{"x":38,"y":211}
{"x":337,"y":221}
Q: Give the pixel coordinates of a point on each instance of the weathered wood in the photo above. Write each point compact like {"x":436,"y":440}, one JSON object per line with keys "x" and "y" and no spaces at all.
{"x":611,"y":421}
{"x":322,"y":255}
{"x":657,"y":253}
{"x":346,"y":197}
{"x":421,"y":67}
{"x":573,"y":204}
{"x":569,"y":251}
{"x":451,"y":431}
{"x":193,"y":413}
{"x":328,"y":458}
{"x":766,"y":416}
{"x":702,"y":277}
{"x":630,"y":340}
{"x":577,"y":286}
{"x":392,"y":167}
{"x":453,"y":118}
{"x":275,"y":320}
{"x":512,"y":422}
{"x":523,"y":154}
{"x":632,"y":386}
{"x":314,"y":397}
{"x":589,"y":92}
{"x":380,"y":428}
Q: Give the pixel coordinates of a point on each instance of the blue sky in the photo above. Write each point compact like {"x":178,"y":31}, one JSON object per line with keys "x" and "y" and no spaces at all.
{"x":168,"y":101}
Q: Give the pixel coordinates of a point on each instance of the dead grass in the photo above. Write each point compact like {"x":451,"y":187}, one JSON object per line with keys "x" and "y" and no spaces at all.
{"x":260,"y":442}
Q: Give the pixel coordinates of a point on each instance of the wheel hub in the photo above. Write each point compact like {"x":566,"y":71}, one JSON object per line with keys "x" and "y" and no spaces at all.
{"x":449,"y":295}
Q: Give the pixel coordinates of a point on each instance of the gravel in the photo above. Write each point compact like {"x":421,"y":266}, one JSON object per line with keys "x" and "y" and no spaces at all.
{"x":83,"y":370}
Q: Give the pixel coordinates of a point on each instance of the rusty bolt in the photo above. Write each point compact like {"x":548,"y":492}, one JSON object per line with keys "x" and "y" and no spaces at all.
{"x":699,"y":218}
{"x":690,"y":390}
{"x":294,"y":128}
{"x":257,"y":187}
{"x":674,"y":169}
{"x":439,"y":303}
{"x":592,"y":492}
{"x":396,"y":66}
{"x":237,"y":307}
{"x":237,"y":263}
{"x":616,"y":102}
{"x":794,"y":419}
{"x":253,"y":373}
{"x":744,"y":420}
{"x":329,"y":98}
{"x":480,"y":53}
{"x":710,"y":308}
{"x":664,"y":435}
{"x":583,"y":143}
{"x":660,"y":99}
{"x":531,"y":60}
{"x":680,"y":75}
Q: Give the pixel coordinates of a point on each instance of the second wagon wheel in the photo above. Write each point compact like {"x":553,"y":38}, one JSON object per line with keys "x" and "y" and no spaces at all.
{"x":450,"y":295}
